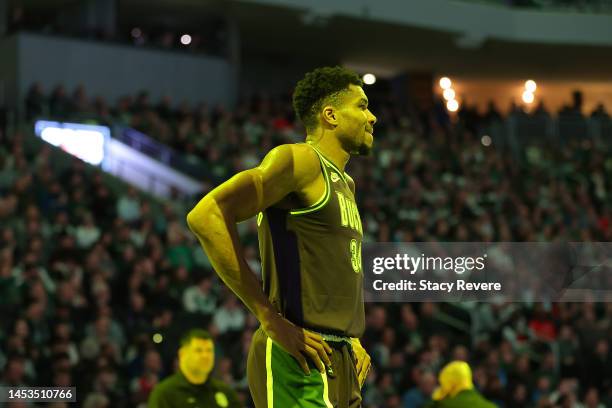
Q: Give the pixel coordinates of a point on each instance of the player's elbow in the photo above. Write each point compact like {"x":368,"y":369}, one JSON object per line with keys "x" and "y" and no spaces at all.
{"x":199,"y":217}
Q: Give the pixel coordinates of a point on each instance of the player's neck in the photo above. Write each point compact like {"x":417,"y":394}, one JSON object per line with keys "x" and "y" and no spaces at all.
{"x":331,"y":148}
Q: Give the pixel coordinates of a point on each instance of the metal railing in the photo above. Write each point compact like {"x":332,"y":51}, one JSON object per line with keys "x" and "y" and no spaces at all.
{"x":158,"y":151}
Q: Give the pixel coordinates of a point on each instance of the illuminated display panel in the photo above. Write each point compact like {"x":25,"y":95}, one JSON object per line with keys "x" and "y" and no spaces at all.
{"x":87,"y":142}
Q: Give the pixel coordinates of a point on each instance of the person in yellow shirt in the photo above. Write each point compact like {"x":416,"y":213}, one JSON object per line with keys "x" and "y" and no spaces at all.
{"x":456,"y":389}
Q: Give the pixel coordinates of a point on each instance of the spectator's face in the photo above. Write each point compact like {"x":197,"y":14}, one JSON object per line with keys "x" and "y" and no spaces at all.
{"x":107,"y":379}
{"x":460,"y":353}
{"x":21,"y":328}
{"x":137,"y":301}
{"x":15,"y":371}
{"x":427,"y":383}
{"x":153,"y":362}
{"x":198,"y":356}
{"x":602,"y":348}
{"x":62,"y":379}
{"x":102,"y":325}
{"x":35,"y":311}
{"x":591,"y":399}
{"x":205,"y":285}
{"x":520,"y":393}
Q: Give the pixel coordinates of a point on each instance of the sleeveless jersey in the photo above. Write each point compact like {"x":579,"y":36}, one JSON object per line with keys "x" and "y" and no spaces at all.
{"x":311,"y":259}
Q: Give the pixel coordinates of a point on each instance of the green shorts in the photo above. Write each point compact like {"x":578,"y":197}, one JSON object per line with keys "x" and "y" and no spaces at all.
{"x":276,"y":380}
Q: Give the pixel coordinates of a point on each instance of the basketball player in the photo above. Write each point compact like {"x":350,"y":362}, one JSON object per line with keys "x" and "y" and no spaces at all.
{"x":306,"y":352}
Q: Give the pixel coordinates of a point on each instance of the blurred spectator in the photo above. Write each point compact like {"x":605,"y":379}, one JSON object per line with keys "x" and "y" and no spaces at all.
{"x":35,"y":101}
{"x":229,"y":317}
{"x":59,"y":104}
{"x":200,"y":298}
{"x":192,"y":380}
{"x":421,"y":394}
{"x":142,"y":386}
{"x":128,"y":206}
{"x":600,"y":112}
{"x":96,"y":400}
{"x":456,"y":388}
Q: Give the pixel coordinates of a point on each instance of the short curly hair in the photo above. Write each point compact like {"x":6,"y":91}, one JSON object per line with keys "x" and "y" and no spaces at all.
{"x":320,"y":87}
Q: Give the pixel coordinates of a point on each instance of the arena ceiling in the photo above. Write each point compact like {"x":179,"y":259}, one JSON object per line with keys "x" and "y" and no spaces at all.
{"x":283,"y":32}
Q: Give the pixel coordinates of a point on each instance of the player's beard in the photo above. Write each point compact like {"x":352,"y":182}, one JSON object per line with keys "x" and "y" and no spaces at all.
{"x":364,"y":150}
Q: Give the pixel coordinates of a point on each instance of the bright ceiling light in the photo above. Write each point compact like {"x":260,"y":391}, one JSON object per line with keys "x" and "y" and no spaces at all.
{"x":185,"y":39}
{"x":528,"y":97}
{"x":449,"y":94}
{"x":369,"y":79}
{"x":445,"y":83}
{"x":452,"y":105}
{"x":530,"y":86}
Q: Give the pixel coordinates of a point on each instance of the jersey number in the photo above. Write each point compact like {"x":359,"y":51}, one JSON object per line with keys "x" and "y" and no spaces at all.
{"x":356,"y":255}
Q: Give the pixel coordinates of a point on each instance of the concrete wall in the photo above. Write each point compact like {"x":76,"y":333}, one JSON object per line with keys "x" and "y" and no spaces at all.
{"x":8,"y":71}
{"x":111,"y":70}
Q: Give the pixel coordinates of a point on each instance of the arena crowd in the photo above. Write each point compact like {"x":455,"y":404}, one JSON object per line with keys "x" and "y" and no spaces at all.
{"x":91,"y":269}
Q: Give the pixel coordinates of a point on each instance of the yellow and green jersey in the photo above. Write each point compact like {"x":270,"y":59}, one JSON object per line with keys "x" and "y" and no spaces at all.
{"x":311,"y":259}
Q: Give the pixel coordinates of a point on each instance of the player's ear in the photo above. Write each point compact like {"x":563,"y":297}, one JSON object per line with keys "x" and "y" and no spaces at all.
{"x":329,"y":116}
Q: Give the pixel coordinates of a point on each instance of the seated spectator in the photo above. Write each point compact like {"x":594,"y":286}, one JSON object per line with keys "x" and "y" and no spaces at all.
{"x":35,"y":101}
{"x":229,"y":317}
{"x":600,"y":112}
{"x":59,"y":104}
{"x":200,"y":298}
{"x":418,"y":396}
{"x":151,"y":374}
{"x":128,"y":206}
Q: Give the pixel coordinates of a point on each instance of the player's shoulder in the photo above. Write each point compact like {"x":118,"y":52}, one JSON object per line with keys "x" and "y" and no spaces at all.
{"x":297,"y":159}
{"x":350,"y":182}
{"x":298,"y":152}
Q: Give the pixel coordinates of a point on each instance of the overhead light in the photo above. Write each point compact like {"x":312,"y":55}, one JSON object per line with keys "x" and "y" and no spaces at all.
{"x":530,"y":85}
{"x":452,"y":105}
{"x":449,"y":94}
{"x":528,"y":97}
{"x":185,"y":39}
{"x":445,"y":83}
{"x":369,"y":79}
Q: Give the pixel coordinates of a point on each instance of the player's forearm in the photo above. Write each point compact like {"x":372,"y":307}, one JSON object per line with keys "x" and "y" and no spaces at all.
{"x":218,"y":236}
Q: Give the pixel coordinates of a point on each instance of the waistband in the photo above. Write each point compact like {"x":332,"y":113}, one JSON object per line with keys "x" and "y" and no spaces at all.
{"x":332,"y":338}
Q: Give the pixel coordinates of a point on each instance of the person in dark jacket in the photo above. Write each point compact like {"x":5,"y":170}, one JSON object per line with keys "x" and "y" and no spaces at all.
{"x":456,"y":389}
{"x":192,"y":386}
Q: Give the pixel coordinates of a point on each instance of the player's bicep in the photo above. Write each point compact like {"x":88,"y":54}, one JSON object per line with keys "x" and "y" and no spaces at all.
{"x":251,"y":191}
